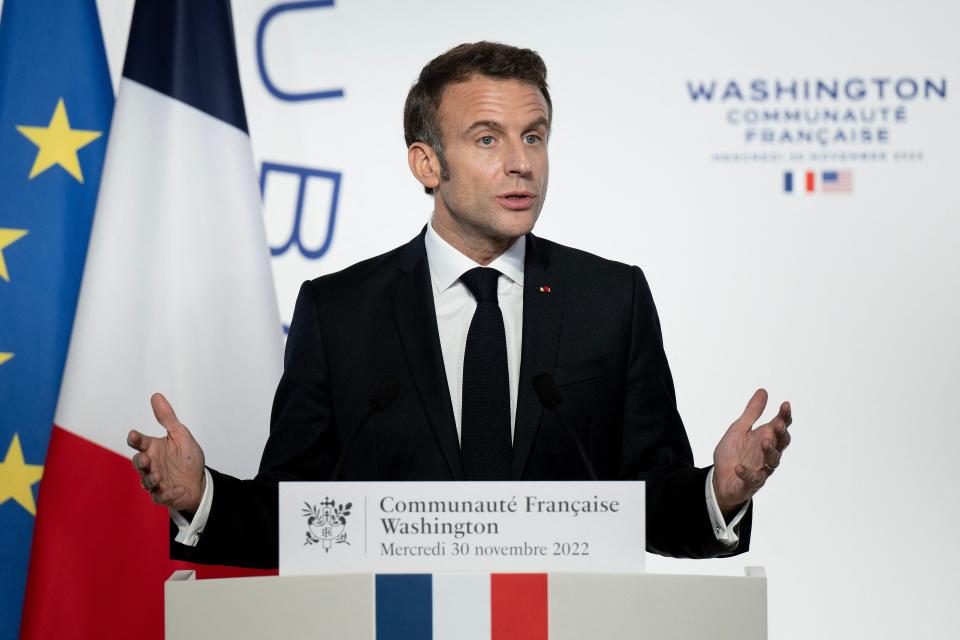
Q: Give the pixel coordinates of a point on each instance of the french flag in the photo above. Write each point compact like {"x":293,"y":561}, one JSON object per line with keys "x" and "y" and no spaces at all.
{"x":177,"y":296}
{"x":462,"y":607}
{"x":809,"y":182}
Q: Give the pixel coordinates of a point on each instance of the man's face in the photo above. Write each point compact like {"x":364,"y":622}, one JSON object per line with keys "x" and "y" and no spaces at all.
{"x":495,"y":141}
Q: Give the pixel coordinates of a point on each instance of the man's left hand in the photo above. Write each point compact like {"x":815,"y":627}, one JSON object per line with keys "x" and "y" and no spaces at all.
{"x":746,"y":457}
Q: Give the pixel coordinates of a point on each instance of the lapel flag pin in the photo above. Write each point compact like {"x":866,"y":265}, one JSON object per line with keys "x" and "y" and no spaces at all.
{"x":545,"y":289}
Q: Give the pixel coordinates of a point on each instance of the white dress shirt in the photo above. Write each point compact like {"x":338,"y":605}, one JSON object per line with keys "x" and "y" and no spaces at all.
{"x":454,"y":306}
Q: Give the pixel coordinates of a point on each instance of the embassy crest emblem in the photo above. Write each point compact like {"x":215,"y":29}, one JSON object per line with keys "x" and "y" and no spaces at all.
{"x":326,"y":523}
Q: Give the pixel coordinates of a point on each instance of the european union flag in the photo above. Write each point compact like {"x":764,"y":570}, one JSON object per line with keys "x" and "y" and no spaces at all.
{"x":56,"y":101}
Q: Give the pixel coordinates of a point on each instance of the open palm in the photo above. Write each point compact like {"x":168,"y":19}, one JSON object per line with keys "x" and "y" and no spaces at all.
{"x":745,"y":457}
{"x":171,"y":467}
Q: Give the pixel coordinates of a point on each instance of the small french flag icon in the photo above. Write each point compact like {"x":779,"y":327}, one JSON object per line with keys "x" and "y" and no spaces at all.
{"x":809,"y":181}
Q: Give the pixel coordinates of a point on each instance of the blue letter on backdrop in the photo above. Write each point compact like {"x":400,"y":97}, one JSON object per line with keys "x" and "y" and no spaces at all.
{"x":278,"y":93}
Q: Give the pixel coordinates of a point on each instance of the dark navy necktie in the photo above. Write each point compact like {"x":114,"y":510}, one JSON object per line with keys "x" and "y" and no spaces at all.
{"x":485,"y":443}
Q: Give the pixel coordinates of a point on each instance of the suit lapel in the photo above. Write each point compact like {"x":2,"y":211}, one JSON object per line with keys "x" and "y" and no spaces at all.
{"x":542,"y":298}
{"x":416,"y":318}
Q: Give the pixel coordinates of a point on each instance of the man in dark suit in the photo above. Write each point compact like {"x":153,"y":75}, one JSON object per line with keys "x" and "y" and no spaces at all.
{"x":446,"y":335}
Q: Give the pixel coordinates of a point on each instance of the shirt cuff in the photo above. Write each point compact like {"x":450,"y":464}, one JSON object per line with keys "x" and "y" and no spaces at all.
{"x":190,"y":530}
{"x":725,"y":532}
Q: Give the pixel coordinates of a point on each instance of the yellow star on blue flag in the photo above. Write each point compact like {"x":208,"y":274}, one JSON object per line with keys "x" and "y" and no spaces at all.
{"x":7,"y":238}
{"x":57,"y":143}
{"x":17,"y":477}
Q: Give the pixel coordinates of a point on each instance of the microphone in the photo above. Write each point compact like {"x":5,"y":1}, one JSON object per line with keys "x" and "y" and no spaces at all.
{"x":549,"y":395}
{"x":381,"y":398}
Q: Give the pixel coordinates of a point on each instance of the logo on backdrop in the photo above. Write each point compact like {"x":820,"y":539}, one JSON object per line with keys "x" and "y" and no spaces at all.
{"x":326,"y":523}
{"x":819,"y":122}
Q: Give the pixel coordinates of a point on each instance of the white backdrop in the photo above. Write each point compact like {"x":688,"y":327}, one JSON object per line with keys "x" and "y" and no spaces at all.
{"x":845,"y":304}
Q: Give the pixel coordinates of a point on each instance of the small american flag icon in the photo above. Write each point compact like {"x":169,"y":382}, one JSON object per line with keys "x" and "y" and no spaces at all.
{"x":837,"y":181}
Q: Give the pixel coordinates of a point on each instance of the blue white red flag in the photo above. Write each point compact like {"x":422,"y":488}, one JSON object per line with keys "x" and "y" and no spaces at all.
{"x":463,"y":606}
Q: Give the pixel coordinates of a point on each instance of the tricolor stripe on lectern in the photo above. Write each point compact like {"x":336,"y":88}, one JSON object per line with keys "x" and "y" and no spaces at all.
{"x":461,"y":607}
{"x":177,"y":297}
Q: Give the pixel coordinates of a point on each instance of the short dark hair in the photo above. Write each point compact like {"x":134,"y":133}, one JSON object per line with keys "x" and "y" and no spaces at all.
{"x":420,"y":113}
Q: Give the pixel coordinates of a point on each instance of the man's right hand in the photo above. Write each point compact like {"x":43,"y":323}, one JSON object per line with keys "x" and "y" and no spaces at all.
{"x":171,"y":468}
